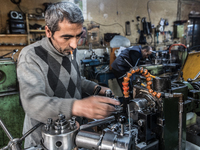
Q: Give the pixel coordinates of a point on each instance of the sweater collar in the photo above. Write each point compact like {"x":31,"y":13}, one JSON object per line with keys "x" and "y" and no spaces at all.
{"x":46,"y":44}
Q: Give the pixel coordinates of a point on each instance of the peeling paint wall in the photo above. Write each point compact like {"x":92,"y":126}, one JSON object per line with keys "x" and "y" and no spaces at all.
{"x":112,"y":14}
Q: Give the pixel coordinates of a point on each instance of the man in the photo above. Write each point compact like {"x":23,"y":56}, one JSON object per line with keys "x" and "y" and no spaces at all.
{"x":49,"y":77}
{"x":127,"y":58}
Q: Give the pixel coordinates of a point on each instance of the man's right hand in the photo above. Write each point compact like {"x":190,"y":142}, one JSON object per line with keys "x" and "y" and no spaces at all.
{"x":94,"y":107}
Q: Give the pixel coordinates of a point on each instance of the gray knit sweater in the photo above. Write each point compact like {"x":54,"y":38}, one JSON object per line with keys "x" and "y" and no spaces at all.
{"x":49,"y":84}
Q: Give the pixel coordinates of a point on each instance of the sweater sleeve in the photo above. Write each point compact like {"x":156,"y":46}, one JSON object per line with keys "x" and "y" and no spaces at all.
{"x":36,"y":103}
{"x":87,"y":86}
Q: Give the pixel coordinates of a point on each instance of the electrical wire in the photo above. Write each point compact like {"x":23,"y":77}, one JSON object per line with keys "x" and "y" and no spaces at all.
{"x":111,"y":25}
{"x":18,"y":4}
{"x":104,"y":70}
{"x":20,"y":8}
{"x":39,"y":10}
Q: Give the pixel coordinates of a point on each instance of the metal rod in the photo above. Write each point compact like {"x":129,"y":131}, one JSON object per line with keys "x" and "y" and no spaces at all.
{"x":4,"y":148}
{"x":15,"y":50}
{"x":180,"y":124}
{"x":30,"y":131}
{"x":128,"y":63}
{"x":196,"y":76}
{"x":180,"y":96}
{"x":97,"y":122}
{"x":122,"y":130}
{"x":129,"y":120}
{"x":6,"y":130}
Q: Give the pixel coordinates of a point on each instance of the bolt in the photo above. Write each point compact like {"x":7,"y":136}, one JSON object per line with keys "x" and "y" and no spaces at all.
{"x":141,"y":122}
{"x":46,"y":127}
{"x":108,"y":93}
{"x":74,"y":119}
{"x":61,"y":116}
{"x":49,"y":121}
{"x":72,"y":125}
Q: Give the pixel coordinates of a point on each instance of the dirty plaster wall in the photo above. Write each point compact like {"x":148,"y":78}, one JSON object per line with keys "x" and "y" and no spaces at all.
{"x":112,"y":14}
{"x":120,"y":11}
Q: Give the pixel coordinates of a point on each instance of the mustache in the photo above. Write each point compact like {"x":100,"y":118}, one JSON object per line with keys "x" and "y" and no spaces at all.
{"x":66,"y":50}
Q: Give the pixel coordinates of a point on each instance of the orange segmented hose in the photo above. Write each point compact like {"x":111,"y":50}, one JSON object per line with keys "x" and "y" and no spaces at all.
{"x":145,"y":73}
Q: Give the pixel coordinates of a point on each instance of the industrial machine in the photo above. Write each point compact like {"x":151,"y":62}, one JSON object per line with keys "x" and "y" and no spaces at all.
{"x":96,"y":68}
{"x":155,"y":119}
{"x":11,"y":110}
{"x":166,"y":61}
{"x":162,"y":115}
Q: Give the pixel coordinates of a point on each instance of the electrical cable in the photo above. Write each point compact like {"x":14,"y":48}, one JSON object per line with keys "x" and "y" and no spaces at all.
{"x":16,"y":2}
{"x":20,"y":8}
{"x":112,"y":25}
{"x":39,"y":10}
{"x":104,"y":70}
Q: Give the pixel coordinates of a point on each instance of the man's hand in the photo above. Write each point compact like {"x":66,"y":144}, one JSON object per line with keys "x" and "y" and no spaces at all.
{"x":94,"y":107}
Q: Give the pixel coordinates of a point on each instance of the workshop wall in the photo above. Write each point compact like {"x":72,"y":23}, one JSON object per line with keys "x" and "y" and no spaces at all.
{"x":112,"y":14}
{"x":118,"y":11}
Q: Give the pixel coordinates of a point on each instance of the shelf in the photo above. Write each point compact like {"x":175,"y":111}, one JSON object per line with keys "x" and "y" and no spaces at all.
{"x":12,"y":35}
{"x":93,"y":47}
{"x":37,"y":31}
{"x":37,"y":18}
{"x":13,"y":45}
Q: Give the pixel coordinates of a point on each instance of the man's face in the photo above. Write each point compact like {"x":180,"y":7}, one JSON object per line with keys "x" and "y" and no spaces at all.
{"x":145,"y":53}
{"x":66,"y":39}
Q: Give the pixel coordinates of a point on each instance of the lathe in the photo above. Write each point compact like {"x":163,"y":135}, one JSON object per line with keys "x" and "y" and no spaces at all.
{"x":161,"y":116}
{"x":155,"y":119}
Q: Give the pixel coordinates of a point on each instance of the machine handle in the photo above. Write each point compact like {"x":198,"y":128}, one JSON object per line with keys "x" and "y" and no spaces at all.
{"x":190,"y":80}
{"x":13,"y":51}
{"x":6,"y":130}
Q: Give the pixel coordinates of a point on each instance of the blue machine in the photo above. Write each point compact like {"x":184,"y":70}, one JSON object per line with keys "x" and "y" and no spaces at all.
{"x":96,"y":70}
{"x":90,"y":62}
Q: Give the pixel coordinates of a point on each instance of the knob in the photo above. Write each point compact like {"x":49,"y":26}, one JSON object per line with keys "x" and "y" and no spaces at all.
{"x":141,"y":122}
{"x":122,"y":119}
{"x":50,"y":120}
{"x":108,"y":93}
{"x":61,"y":117}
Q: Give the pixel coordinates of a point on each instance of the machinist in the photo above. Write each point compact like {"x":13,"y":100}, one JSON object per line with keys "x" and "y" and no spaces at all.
{"x":49,"y":78}
{"x":128,"y":58}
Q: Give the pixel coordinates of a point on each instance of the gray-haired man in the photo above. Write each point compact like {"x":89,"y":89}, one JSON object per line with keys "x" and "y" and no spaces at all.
{"x":49,"y":77}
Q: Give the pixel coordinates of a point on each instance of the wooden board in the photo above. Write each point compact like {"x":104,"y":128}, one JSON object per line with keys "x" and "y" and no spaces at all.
{"x":112,"y":56}
{"x":191,"y":66}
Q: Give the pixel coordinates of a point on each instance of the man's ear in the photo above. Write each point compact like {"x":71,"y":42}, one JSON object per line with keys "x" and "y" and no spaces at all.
{"x":48,"y":32}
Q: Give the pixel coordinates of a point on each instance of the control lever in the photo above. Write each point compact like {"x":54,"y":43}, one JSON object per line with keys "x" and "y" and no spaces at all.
{"x":16,"y":143}
{"x":190,"y":80}
{"x":13,"y":51}
{"x":122,"y":121}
